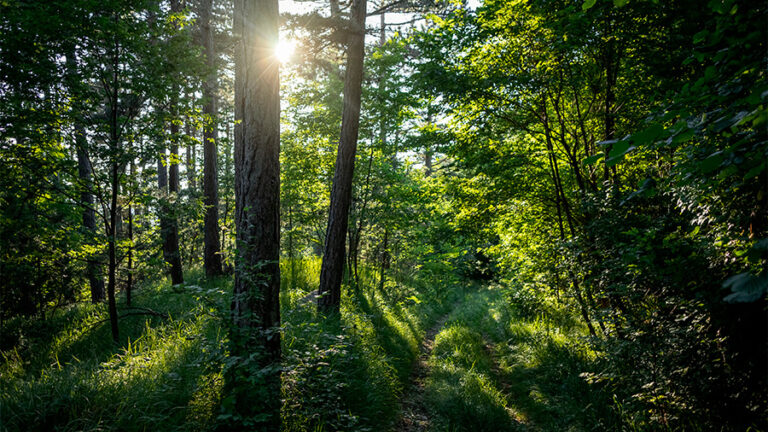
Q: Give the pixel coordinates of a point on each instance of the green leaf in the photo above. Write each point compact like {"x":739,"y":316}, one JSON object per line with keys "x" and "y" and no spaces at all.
{"x":683,"y":137}
{"x":620,"y":3}
{"x":592,"y":159}
{"x":588,"y":4}
{"x":619,"y":148}
{"x":746,"y":288}
{"x":414,"y":298}
{"x":711,"y":163}
{"x":754,"y":171}
{"x":700,"y":36}
{"x":648,"y":135}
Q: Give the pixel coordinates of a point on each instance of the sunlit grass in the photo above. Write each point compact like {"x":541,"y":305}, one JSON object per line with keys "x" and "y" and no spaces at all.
{"x":76,"y":379}
{"x":166,"y":374}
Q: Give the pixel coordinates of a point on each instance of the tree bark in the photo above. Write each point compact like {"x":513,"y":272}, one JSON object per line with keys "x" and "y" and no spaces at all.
{"x":168,"y":226}
{"x":332,"y":269}
{"x":111,"y":225}
{"x":256,"y":302}
{"x":93,"y":269}
{"x":84,"y":171}
{"x":211,"y":250}
{"x":129,"y":285}
{"x":190,"y":132}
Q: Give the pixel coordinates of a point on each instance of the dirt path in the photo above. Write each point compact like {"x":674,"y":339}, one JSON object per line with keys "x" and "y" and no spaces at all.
{"x":415,"y":417}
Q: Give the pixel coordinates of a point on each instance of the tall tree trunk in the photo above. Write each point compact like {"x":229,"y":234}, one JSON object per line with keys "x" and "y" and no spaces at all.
{"x":384,"y":260}
{"x":93,"y":269}
{"x":129,"y":285}
{"x":361,"y":219}
{"x":211,"y":250}
{"x":168,"y":227}
{"x":171,"y":245}
{"x":428,"y":151}
{"x":111,"y":225}
{"x":332,"y":268}
{"x":291,"y":254}
{"x":84,"y":171}
{"x":190,"y":132}
{"x":256,"y":301}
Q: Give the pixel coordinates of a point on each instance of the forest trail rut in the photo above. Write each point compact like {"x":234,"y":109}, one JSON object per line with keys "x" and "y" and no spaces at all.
{"x":415,"y":416}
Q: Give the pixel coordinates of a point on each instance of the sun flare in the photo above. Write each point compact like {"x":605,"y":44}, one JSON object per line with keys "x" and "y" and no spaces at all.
{"x":284,"y":50}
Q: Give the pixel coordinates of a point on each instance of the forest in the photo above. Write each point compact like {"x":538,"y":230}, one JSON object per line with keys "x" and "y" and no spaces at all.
{"x":383,"y":215}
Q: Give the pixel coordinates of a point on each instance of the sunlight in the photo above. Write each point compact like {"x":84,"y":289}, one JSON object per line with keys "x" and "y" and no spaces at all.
{"x":284,"y":50}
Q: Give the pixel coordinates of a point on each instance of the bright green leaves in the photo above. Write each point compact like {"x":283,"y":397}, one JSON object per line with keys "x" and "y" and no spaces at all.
{"x":588,"y":4}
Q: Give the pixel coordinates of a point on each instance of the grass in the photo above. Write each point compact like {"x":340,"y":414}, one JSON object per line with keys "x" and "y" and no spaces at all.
{"x":68,"y":375}
{"x":492,"y":368}
{"x":495,"y":370}
{"x":166,"y":374}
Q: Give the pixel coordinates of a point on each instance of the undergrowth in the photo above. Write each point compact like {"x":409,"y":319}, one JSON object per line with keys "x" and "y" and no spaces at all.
{"x":342,"y":373}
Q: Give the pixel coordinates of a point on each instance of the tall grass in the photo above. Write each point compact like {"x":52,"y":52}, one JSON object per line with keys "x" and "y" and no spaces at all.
{"x":495,"y":369}
{"x":166,"y":373}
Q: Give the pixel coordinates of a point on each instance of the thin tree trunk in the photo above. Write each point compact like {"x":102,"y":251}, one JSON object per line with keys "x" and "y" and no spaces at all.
{"x":256,"y":301}
{"x":332,"y":269}
{"x":361,"y":220}
{"x":190,"y":132}
{"x":168,"y":229}
{"x":129,"y":286}
{"x":560,"y":198}
{"x":291,"y":255}
{"x":384,"y":260}
{"x":93,"y":269}
{"x":173,"y":255}
{"x":211,"y":250}
{"x":112,"y":224}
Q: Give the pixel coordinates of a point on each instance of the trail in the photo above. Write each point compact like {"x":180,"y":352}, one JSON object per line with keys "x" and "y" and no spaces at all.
{"x":415,"y":416}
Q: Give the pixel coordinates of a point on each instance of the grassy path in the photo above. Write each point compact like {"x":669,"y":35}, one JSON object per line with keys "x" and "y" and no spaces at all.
{"x":415,"y":415}
{"x":456,"y":383}
{"x":485,"y":367}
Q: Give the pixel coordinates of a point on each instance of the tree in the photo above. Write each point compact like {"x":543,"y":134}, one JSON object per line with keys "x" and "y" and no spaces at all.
{"x":211,"y":249}
{"x":256,"y":301}
{"x":168,"y":183}
{"x":332,"y":268}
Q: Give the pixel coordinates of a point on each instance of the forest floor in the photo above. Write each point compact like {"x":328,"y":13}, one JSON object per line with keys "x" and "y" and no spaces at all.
{"x":466,"y":360}
{"x":415,"y":415}
{"x":482,"y":367}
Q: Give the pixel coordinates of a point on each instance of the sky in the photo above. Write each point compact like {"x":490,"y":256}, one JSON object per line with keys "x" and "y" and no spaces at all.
{"x":303,"y":6}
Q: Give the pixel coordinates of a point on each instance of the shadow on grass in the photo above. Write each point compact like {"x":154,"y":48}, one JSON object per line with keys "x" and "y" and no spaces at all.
{"x":78,"y":379}
{"x":541,"y":375}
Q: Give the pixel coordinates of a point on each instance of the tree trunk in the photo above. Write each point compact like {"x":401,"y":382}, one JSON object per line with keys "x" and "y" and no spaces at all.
{"x":171,"y":246}
{"x":211,"y":250}
{"x":291,"y":254}
{"x":84,"y":171}
{"x":168,"y":227}
{"x":190,"y":132}
{"x":256,"y":302}
{"x":93,"y":269}
{"x":384,"y":260}
{"x":341,"y":193}
{"x":111,"y":226}
{"x":129,"y":285}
